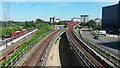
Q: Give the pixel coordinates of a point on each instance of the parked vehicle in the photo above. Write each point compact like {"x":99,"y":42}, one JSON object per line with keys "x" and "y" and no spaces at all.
{"x":101,"y":32}
{"x":96,"y":37}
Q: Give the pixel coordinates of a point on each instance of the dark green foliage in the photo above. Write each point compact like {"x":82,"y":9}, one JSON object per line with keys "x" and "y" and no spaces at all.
{"x":83,"y":24}
{"x":91,"y":24}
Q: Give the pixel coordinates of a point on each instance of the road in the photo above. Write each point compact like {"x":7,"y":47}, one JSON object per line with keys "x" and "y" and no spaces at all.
{"x":110,"y":43}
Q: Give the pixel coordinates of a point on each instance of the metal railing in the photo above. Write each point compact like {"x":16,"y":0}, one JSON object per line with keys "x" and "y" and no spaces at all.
{"x":79,"y":53}
{"x":101,"y":50}
{"x":14,"y":59}
{"x":47,"y":51}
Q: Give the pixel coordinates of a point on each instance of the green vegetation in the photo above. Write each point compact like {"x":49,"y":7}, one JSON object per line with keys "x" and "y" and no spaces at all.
{"x":6,"y":31}
{"x":91,"y":24}
{"x":101,"y":50}
{"x":21,"y":50}
{"x":93,"y":33}
{"x":59,"y":23}
{"x":43,"y":29}
{"x":11,"y":26}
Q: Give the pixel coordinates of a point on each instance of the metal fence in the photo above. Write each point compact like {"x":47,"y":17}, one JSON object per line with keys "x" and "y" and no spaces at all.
{"x":14,"y":59}
{"x":79,"y":53}
{"x":47,"y":51}
{"x":101,"y":50}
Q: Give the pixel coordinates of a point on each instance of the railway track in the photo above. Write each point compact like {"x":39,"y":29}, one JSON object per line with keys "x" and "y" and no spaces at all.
{"x":99,"y":63}
{"x":37,"y":52}
{"x":8,"y":51}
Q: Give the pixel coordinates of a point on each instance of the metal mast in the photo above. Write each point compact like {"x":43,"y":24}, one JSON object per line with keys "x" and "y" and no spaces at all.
{"x":6,"y":13}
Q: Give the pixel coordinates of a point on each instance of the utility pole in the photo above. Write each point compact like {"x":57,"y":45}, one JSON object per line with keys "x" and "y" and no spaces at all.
{"x":1,"y":28}
{"x":6,"y":13}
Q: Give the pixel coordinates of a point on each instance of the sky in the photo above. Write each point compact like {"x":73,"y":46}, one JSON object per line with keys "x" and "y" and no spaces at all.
{"x":22,"y":11}
{"x":59,"y":0}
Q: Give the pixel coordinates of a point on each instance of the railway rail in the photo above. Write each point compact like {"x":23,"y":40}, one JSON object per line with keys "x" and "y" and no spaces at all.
{"x":13,"y":45}
{"x":96,"y":60}
{"x":36,"y":54}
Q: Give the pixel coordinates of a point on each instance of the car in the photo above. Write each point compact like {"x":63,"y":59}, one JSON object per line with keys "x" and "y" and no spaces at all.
{"x":96,"y":37}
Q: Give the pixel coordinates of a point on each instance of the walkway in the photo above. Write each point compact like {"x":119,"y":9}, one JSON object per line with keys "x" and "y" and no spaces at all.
{"x":53,"y":58}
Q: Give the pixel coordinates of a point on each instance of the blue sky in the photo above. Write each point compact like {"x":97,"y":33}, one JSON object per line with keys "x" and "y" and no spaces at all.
{"x":22,"y":11}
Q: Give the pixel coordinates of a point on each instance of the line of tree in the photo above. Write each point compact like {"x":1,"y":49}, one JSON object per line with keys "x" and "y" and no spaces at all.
{"x":12,"y":26}
{"x":91,"y":24}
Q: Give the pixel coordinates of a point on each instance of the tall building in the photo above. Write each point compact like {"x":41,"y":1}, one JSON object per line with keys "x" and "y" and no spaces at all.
{"x":53,"y":20}
{"x":111,"y":17}
{"x":84,"y":18}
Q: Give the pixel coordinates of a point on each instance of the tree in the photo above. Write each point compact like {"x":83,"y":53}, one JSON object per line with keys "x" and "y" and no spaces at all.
{"x":6,"y":31}
{"x":58,"y":23}
{"x":39,"y":21}
{"x":92,"y":24}
{"x":89,"y":24}
{"x":83,"y":24}
{"x":17,"y":28}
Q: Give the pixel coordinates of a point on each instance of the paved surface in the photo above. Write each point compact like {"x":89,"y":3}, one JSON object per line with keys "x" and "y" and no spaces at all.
{"x":111,"y":43}
{"x":53,"y":58}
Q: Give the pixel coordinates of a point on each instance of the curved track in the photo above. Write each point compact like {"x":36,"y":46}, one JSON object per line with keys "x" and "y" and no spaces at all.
{"x":87,"y":52}
{"x":36,"y":54}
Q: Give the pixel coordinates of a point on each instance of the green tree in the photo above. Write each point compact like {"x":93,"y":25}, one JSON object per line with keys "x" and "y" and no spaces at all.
{"x":39,"y":21}
{"x":6,"y":31}
{"x":92,"y":24}
{"x":83,"y":24}
{"x":17,"y":28}
{"x":89,"y":24}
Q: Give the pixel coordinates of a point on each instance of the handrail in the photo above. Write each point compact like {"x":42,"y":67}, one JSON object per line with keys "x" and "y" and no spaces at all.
{"x":47,"y":51}
{"x":21,"y":53}
{"x":87,"y":62}
{"x":93,"y":46}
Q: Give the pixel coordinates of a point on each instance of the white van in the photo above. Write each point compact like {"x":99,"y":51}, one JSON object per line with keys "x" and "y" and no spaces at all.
{"x":101,"y":32}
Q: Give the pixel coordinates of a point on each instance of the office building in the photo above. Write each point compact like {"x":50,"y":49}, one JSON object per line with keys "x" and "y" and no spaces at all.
{"x":53,"y":20}
{"x":111,"y":17}
{"x":84,"y":18}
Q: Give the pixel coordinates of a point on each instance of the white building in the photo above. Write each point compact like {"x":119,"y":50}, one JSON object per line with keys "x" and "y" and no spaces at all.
{"x":57,"y":20}
{"x":84,"y":18}
{"x":53,"y":20}
{"x":75,"y":19}
{"x":98,"y":21}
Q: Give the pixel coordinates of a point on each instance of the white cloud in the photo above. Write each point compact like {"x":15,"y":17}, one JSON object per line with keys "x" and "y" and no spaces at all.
{"x":59,"y":0}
